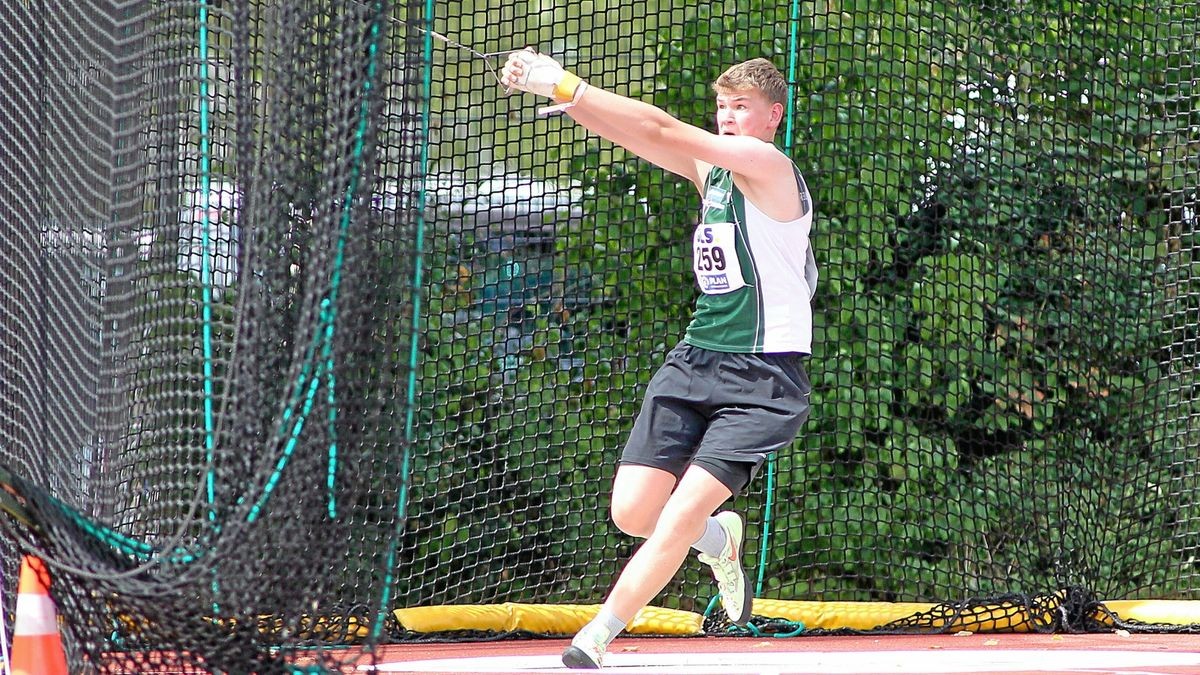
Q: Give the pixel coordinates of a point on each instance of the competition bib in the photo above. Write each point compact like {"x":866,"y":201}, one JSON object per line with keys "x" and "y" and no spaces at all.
{"x":715,"y":260}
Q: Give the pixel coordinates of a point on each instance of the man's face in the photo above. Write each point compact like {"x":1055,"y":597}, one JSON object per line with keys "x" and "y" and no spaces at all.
{"x":747,"y":113}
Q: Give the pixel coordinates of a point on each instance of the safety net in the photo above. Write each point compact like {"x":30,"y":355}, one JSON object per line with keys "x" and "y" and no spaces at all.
{"x":304,"y":319}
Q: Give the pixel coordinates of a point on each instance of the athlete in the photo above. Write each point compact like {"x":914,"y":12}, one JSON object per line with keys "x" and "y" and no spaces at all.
{"x":734,"y":390}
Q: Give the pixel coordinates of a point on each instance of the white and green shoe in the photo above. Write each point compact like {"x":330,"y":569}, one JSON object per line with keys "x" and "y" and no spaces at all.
{"x":736,"y":594}
{"x":586,"y":651}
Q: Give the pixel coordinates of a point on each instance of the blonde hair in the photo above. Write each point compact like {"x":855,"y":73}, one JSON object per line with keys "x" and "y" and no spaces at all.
{"x":758,"y":74}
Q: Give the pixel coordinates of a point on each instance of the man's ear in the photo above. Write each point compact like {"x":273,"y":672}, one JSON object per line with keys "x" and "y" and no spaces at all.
{"x":777,"y":111}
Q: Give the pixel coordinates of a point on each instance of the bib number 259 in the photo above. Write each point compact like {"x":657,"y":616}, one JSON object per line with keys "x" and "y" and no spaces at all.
{"x":714,"y":258}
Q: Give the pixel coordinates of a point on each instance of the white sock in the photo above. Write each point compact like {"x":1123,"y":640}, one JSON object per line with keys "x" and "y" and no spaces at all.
{"x":603,"y":628}
{"x":712,"y":542}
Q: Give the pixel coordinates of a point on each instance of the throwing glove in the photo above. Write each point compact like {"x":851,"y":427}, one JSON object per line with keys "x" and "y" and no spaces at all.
{"x":539,"y":74}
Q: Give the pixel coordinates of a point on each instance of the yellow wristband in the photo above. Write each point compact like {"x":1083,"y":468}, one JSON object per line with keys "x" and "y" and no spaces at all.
{"x":564,"y":91}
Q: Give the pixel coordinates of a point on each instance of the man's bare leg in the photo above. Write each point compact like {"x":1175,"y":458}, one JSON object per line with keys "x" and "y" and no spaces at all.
{"x":680,"y":522}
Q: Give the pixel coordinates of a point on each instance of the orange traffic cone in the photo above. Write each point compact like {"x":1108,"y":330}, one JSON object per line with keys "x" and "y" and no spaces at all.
{"x":37,"y":647}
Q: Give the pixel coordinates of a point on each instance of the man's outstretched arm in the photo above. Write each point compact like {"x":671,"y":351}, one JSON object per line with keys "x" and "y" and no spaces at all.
{"x":642,"y":128}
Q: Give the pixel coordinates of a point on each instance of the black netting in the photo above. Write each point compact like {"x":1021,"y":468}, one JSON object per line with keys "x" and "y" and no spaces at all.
{"x":302,"y":319}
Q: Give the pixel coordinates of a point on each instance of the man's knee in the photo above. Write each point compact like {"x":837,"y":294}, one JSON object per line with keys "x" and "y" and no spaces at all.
{"x":639,"y":493}
{"x":633,"y":519}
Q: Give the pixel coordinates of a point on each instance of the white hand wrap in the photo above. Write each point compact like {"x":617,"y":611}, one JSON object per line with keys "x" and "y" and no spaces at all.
{"x":542,"y":75}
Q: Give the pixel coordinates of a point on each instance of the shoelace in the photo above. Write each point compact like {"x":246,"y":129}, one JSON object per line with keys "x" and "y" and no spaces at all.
{"x":727,"y":579}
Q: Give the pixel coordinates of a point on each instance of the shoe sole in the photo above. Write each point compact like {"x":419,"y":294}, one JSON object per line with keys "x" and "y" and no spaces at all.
{"x":747,"y":603}
{"x":748,"y":594}
{"x":574,"y":657}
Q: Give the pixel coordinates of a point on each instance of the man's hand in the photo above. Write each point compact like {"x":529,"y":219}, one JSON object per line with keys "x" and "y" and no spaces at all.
{"x":539,"y":74}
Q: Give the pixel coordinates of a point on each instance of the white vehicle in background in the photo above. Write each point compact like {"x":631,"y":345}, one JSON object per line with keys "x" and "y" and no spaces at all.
{"x":444,"y":196}
{"x":505,"y":211}
{"x":521,"y":205}
{"x":215,"y":216}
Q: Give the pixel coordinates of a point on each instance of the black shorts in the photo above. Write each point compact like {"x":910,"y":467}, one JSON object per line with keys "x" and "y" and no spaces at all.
{"x":725,"y":412}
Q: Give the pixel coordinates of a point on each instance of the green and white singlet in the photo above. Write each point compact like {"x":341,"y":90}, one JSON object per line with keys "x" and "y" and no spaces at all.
{"x":756,"y":275}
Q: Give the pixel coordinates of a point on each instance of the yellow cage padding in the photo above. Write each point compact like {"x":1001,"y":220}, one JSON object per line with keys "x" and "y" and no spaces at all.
{"x":863,"y":616}
{"x":1167,"y":612}
{"x":837,"y":615}
{"x":541,"y":619}
{"x":997,"y":618}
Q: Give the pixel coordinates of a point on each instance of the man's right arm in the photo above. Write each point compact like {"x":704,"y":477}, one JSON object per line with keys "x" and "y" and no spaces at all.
{"x":640,"y":128}
{"x":636,"y":126}
{"x":683,"y":148}
{"x":648,"y":131}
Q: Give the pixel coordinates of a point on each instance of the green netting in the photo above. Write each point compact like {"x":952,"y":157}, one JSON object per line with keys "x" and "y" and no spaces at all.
{"x":302,"y":319}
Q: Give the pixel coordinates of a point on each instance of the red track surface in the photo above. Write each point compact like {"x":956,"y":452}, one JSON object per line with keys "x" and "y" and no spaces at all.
{"x":1034,"y":655}
{"x":1036,"y":650}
